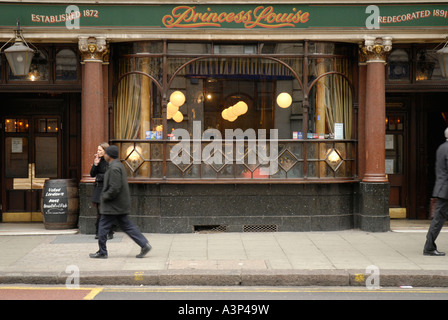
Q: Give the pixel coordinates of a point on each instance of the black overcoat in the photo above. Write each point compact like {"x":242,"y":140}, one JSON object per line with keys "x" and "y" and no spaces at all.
{"x":98,"y":173}
{"x":115,"y":198}
{"x":441,"y":185}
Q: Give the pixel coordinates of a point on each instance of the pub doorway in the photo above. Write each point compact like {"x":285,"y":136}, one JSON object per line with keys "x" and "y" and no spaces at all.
{"x":32,"y":151}
{"x":415,"y":125}
{"x":431,"y":121}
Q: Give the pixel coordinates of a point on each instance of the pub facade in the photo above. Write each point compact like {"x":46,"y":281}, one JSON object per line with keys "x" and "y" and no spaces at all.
{"x":229,"y":117}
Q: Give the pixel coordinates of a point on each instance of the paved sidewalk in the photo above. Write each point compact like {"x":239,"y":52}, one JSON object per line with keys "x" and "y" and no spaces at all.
{"x":282,"y":258}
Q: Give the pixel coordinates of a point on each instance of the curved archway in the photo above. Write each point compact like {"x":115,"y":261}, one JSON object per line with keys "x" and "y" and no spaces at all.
{"x":313,"y":83}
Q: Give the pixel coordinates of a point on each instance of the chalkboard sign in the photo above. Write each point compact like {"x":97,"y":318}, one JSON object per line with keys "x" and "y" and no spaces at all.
{"x":55,"y":201}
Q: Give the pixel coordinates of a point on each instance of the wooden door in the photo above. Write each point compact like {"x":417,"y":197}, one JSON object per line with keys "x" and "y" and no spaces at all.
{"x":396,"y":149}
{"x":31,"y":154}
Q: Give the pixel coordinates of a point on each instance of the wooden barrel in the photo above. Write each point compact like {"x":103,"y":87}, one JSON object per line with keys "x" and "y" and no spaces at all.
{"x":60,"y":204}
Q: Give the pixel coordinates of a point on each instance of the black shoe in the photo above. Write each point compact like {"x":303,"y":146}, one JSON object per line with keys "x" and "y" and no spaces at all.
{"x":144,"y":251}
{"x":110,"y":235}
{"x":433,"y":253}
{"x":98,"y":255}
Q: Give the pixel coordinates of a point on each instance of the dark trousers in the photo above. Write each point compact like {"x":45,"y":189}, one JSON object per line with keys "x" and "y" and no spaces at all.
{"x":106,"y":224}
{"x":97,"y":223}
{"x":440,"y":216}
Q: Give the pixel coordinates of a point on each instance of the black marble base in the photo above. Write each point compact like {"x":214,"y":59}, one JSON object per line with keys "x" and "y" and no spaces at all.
{"x":184,"y":208}
{"x":373,"y":207}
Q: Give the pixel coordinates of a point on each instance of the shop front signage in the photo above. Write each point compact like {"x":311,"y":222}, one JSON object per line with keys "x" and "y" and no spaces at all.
{"x":260,"y":16}
{"x":225,"y":16}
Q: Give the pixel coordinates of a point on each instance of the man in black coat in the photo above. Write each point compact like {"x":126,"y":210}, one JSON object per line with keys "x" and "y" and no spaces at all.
{"x":116,"y":205}
{"x":441,"y":193}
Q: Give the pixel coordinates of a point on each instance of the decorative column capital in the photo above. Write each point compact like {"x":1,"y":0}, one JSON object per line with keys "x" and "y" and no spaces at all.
{"x":362,"y":55}
{"x":93,"y":49}
{"x":375,"y":49}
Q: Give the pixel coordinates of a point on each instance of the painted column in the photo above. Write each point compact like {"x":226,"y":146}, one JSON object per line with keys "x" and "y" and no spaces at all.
{"x":374,"y":188}
{"x":376,"y":51}
{"x":93,"y":115}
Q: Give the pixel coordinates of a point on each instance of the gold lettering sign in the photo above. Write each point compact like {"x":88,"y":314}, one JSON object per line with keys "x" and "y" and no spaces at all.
{"x":265,"y":17}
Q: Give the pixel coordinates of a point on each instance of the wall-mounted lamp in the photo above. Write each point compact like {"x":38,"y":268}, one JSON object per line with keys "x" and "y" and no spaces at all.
{"x":134,"y":157}
{"x":19,"y":55}
{"x":333,"y":159}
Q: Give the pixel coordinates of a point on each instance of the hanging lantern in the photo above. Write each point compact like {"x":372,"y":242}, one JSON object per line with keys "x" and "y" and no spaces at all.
{"x":178,"y":117}
{"x":284,"y":100}
{"x":177,"y":98}
{"x":19,"y":55}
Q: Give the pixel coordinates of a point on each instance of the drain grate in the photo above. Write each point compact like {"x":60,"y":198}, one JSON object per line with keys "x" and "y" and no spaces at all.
{"x":210,"y":228}
{"x":260,"y":228}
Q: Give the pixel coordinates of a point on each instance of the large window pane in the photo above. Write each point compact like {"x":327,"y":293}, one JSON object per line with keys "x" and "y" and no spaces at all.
{"x":237,"y":87}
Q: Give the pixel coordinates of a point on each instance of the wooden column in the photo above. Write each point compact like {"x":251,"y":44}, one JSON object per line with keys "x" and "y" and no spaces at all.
{"x":376,"y":51}
{"x":93,"y":115}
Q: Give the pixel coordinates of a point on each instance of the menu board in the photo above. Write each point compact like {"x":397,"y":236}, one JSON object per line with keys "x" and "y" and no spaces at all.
{"x":55,"y":201}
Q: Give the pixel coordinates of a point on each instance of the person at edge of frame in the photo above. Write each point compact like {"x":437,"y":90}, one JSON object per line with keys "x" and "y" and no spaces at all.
{"x":441,"y":193}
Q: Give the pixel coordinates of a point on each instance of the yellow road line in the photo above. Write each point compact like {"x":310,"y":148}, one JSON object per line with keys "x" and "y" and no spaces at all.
{"x":97,"y":290}
{"x":241,"y":290}
{"x":93,"y":294}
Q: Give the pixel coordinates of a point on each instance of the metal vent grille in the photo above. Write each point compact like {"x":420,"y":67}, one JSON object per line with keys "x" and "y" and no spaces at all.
{"x":211,"y":228}
{"x":260,"y":228}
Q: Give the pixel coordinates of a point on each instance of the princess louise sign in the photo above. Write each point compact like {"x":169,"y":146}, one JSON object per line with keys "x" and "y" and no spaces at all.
{"x":260,"y":16}
{"x":256,"y":16}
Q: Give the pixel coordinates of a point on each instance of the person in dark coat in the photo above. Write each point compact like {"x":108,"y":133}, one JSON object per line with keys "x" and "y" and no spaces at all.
{"x":116,"y":205}
{"x":97,"y":171}
{"x":441,"y":193}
